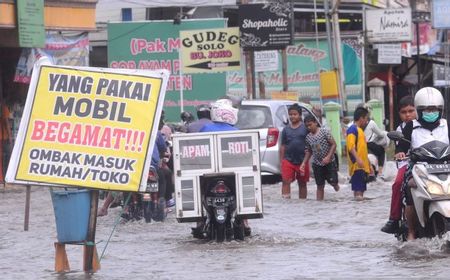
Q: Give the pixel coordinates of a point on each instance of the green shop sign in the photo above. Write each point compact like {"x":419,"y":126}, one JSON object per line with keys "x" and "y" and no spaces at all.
{"x":155,"y":45}
{"x":305,"y":60}
{"x":30,"y":20}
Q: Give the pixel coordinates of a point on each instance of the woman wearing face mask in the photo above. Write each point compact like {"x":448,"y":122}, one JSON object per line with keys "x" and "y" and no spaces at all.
{"x":428,"y":127}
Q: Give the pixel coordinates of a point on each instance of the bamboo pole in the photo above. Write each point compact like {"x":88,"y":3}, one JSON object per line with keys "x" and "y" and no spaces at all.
{"x":340,"y":63}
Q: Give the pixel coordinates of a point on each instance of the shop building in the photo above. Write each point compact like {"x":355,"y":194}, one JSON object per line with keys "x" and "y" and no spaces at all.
{"x":62,"y":20}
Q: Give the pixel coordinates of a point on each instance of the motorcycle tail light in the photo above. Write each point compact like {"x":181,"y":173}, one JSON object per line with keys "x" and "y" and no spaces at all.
{"x":220,"y":187}
{"x":146,"y":197}
{"x":272,"y":137}
{"x":152,"y":176}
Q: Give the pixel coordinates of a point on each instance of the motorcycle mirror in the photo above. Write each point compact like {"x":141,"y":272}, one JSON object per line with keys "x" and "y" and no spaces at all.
{"x":396,"y":136}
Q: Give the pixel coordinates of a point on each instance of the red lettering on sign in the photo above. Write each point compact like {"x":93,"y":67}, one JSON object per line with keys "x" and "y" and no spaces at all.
{"x":87,"y":135}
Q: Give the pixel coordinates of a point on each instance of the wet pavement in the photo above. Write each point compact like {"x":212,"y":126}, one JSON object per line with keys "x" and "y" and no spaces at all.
{"x":296,"y":239}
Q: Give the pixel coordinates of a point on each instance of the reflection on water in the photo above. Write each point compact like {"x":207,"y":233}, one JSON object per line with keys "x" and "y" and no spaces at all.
{"x":335,"y":238}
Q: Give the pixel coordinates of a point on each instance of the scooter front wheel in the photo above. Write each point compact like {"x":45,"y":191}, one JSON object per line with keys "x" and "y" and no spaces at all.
{"x":440,"y":225}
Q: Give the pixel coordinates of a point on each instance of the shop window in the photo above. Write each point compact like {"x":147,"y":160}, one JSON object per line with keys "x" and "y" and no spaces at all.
{"x":166,"y":13}
{"x":127,"y":14}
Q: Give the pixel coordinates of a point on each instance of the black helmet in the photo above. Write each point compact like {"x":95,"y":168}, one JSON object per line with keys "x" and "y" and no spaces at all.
{"x":186,"y":117}
{"x":203,"y":111}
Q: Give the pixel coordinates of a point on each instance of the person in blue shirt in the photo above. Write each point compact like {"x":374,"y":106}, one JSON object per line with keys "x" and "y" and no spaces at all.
{"x":204,"y":117}
{"x":158,"y":150}
{"x":224,"y":116}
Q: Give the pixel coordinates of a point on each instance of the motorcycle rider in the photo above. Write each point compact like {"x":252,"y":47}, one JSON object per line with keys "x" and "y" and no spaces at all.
{"x":166,"y":162}
{"x":223,"y":117}
{"x":407,"y":112}
{"x":186,"y":119}
{"x":203,"y":117}
{"x":158,"y":150}
{"x":429,"y":126}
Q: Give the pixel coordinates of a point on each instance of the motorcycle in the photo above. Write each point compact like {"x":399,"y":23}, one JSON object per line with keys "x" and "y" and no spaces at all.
{"x":217,"y":183}
{"x":153,"y":205}
{"x":148,"y":204}
{"x":219,"y":203}
{"x":431,"y":196}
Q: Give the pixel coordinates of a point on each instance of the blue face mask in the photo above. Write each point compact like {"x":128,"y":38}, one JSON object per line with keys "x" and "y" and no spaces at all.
{"x":430,"y":117}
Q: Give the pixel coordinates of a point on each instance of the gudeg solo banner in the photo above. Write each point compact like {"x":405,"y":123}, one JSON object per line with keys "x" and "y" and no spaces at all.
{"x":210,"y":50}
{"x":155,"y":45}
{"x":88,"y":127}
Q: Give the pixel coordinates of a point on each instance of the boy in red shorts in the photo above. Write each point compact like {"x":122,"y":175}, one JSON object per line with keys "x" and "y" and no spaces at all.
{"x":292,"y":152}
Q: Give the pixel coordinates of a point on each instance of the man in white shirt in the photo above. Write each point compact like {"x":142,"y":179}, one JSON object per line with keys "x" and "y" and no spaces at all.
{"x":428,"y":127}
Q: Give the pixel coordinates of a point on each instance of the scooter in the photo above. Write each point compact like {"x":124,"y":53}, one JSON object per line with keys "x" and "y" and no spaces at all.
{"x":431,"y":196}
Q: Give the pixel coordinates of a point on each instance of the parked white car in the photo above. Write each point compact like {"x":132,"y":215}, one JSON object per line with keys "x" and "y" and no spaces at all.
{"x":269,"y":117}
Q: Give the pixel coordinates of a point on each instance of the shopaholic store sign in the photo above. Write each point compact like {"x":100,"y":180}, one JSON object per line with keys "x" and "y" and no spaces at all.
{"x":266,"y":26}
{"x":389,"y":25}
{"x":88,"y":127}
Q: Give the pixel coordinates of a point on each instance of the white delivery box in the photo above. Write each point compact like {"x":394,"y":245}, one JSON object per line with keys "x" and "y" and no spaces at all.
{"x":198,"y":156}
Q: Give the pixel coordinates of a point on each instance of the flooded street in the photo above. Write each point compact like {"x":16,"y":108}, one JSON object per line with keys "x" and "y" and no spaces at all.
{"x":336,"y":238}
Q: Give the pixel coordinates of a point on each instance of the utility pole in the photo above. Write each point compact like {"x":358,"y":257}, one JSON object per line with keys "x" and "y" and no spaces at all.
{"x":249,"y":69}
{"x":331,"y":53}
{"x":340,"y":62}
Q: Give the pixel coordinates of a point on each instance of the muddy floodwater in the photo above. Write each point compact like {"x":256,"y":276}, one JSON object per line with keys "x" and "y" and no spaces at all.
{"x":296,"y":239}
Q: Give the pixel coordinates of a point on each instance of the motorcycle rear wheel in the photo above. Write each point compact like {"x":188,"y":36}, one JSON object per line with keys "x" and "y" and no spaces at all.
{"x":148,"y":210}
{"x":220,"y":232}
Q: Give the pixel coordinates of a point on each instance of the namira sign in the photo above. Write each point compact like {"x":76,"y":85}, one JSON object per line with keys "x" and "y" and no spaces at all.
{"x":389,"y":25}
{"x":88,"y":127}
{"x":210,"y":50}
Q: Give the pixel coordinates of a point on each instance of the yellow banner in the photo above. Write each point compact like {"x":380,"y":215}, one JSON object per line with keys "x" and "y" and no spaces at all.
{"x":329,"y":84}
{"x":88,"y":128}
{"x":285,"y":95}
{"x":210,"y":50}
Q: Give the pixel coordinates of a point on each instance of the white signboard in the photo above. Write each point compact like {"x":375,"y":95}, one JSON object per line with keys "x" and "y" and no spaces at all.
{"x":440,"y":12}
{"x":109,"y":5}
{"x":389,"y":25}
{"x":266,"y":61}
{"x":441,"y":75}
{"x":389,"y":54}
